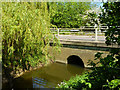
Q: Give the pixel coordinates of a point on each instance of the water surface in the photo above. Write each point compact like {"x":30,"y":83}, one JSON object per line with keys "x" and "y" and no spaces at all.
{"x":47,"y":77}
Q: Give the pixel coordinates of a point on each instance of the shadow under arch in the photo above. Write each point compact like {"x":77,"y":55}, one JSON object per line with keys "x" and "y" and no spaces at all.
{"x":76,"y":60}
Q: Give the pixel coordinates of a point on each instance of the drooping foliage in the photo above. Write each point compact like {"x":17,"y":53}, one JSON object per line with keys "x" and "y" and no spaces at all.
{"x":26,"y":35}
{"x":0,"y":35}
{"x":107,"y":75}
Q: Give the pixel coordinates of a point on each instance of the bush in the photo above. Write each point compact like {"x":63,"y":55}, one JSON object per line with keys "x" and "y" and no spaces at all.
{"x":78,"y":82}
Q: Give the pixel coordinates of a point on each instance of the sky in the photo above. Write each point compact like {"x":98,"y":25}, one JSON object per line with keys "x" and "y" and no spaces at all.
{"x":99,"y":2}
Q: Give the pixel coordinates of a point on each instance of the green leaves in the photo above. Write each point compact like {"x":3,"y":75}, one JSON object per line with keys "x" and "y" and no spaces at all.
{"x":78,"y":82}
{"x":113,"y":84}
{"x":68,"y":14}
{"x":110,"y":16}
{"x":26,"y":34}
{"x":98,"y":55}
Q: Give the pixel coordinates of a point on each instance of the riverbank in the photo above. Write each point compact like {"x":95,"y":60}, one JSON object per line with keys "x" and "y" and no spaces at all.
{"x":9,"y":76}
{"x":48,"y":76}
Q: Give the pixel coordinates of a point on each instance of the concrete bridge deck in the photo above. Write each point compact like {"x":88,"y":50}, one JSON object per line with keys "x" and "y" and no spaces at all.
{"x":84,"y":41}
{"x":83,"y":38}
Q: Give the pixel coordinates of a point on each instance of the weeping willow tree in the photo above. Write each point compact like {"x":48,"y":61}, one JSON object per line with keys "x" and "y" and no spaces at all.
{"x":26,"y":34}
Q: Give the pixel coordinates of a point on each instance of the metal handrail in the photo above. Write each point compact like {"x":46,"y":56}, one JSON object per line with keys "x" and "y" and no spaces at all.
{"x":86,"y":27}
{"x":96,"y":28}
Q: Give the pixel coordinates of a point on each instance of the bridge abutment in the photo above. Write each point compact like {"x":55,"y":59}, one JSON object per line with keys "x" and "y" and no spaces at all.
{"x":68,"y":53}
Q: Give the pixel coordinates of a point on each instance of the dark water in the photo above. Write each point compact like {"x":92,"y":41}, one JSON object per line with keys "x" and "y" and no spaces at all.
{"x":48,"y":76}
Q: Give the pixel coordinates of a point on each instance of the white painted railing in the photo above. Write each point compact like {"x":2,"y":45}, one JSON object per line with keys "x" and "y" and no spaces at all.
{"x":83,"y":28}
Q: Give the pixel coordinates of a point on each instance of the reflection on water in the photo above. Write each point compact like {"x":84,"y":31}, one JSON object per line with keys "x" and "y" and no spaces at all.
{"x":39,"y":82}
{"x":47,"y":77}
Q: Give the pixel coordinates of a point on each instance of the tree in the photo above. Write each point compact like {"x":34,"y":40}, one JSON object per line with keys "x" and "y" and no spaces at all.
{"x":110,"y":16}
{"x":26,"y":35}
{"x":68,"y":14}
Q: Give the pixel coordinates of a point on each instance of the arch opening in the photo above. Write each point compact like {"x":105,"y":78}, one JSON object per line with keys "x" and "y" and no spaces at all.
{"x":76,"y":60}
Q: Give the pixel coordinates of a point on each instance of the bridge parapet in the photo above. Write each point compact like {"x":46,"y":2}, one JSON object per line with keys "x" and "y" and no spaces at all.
{"x":83,"y":54}
{"x":87,"y":43}
{"x":85,"y":50}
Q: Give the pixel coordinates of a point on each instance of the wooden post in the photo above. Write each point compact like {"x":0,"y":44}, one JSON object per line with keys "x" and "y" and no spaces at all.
{"x":96,"y":38}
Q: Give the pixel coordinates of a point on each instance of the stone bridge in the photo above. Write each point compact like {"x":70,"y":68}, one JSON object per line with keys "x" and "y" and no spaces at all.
{"x":79,"y":52}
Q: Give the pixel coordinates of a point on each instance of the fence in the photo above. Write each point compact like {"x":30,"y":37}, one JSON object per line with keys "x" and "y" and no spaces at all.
{"x":96,"y":29}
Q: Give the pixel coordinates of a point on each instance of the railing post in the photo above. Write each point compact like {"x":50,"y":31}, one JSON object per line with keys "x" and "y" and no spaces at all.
{"x":107,"y":27}
{"x":58,"y":31}
{"x":96,"y":38}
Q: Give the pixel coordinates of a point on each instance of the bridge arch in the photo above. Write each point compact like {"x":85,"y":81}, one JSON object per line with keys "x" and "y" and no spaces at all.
{"x":74,"y":59}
